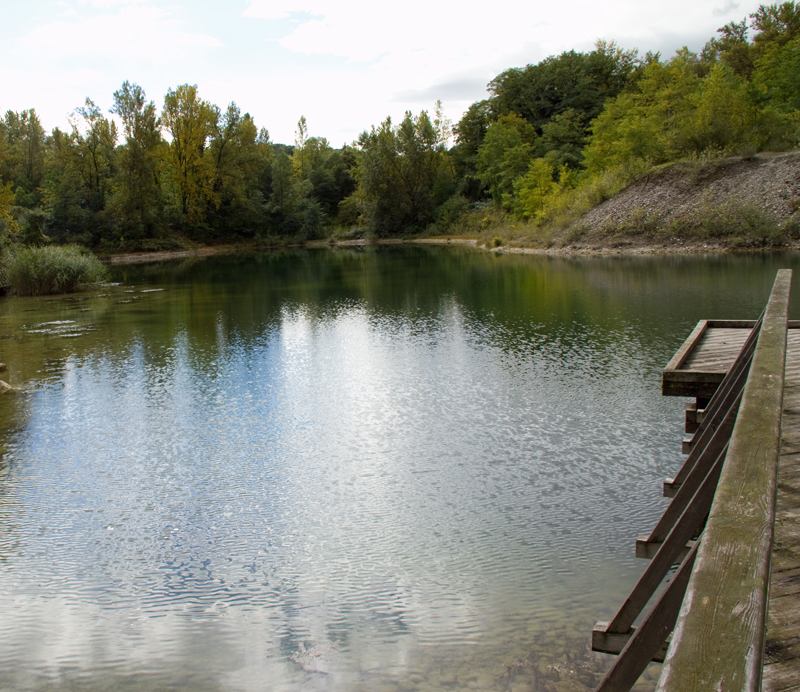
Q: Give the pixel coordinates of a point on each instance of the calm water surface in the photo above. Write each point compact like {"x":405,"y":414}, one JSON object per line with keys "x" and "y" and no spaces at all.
{"x":363,"y":469}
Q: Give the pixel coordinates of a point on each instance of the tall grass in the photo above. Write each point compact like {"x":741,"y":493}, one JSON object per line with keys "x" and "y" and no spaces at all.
{"x":39,"y":271}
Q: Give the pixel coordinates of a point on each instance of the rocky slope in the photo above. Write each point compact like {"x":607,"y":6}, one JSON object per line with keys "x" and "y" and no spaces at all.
{"x":736,"y":202}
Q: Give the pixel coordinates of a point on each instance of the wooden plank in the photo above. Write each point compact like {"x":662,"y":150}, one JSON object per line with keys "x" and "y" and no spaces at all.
{"x":684,"y":528}
{"x":781,"y":677}
{"x":718,"y":641}
{"x":714,"y":435}
{"x":782,"y":652}
{"x":691,"y":424}
{"x":607,"y":642}
{"x":683,"y":352}
{"x":647,"y":549}
{"x":651,"y":635}
{"x":690,"y":387}
{"x":738,"y":324}
{"x":709,"y":357}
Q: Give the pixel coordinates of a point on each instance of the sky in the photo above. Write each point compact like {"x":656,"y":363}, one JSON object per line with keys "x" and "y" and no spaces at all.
{"x":344,"y":65}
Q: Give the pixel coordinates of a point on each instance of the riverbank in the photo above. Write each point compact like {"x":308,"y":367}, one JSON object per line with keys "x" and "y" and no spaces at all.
{"x":728,"y":205}
{"x":610,"y":247}
{"x":737,"y":203}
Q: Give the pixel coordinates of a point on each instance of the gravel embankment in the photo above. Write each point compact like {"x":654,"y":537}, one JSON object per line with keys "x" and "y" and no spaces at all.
{"x":770,"y":182}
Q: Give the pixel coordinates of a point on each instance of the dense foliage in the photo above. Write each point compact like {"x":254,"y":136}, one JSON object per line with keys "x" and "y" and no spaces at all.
{"x":550,"y":137}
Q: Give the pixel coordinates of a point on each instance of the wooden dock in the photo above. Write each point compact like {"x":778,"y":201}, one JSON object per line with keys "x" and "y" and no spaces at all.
{"x":728,"y":617}
{"x":695,"y":371}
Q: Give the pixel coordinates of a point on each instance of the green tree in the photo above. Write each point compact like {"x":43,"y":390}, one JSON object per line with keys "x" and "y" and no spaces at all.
{"x":776,"y":75}
{"x":94,"y":138}
{"x":81,"y":169}
{"x":286,"y":196}
{"x":8,"y":225}
{"x":403,"y":174}
{"x":724,"y":116}
{"x":643,"y":124}
{"x":774,"y":25}
{"x":137,"y":203}
{"x":578,"y":81}
{"x":533,"y":189}
{"x":471,"y":129}
{"x":732,"y":47}
{"x":504,"y":156}
{"x":191,"y":123}
{"x":563,"y":139}
{"x":23,"y":158}
{"x":239,"y":152}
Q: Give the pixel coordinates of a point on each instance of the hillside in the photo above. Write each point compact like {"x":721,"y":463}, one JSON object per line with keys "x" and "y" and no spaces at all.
{"x":731,"y":203}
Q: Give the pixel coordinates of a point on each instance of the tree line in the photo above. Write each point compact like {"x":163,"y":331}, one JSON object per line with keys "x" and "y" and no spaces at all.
{"x":548,"y":138}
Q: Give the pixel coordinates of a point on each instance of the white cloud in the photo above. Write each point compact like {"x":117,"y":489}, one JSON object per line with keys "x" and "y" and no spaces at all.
{"x":345,"y":65}
{"x":137,"y":30}
{"x":434,"y":39}
{"x":111,"y":3}
{"x":269,"y":9}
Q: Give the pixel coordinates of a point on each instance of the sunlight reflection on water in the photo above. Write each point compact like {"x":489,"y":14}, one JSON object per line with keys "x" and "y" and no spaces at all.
{"x":322,"y":494}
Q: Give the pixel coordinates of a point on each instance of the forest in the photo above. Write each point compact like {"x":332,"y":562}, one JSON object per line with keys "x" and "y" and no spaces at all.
{"x":549,"y":141}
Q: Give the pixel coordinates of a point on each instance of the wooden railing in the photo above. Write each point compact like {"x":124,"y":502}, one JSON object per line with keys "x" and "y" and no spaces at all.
{"x":716,"y":602}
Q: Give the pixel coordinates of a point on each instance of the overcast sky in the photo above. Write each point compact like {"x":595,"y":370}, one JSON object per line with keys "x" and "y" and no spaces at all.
{"x":345,"y":65}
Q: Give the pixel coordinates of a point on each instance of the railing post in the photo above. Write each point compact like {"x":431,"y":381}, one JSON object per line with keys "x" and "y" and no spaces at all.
{"x":718,"y":641}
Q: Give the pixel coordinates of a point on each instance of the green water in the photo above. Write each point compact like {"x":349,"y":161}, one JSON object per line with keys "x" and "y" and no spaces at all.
{"x":364,"y":469}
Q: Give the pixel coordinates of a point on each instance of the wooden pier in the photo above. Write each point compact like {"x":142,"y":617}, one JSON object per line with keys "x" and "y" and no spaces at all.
{"x":696,"y":370}
{"x":739,"y":575}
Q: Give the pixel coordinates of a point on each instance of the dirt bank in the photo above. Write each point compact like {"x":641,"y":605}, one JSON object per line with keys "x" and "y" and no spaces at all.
{"x":727,"y":204}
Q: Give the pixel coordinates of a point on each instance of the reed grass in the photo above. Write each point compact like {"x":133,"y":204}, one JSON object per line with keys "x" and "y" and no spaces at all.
{"x":39,"y":271}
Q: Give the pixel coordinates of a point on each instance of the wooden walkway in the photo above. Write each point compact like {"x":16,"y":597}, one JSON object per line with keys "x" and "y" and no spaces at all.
{"x":696,"y":372}
{"x":782,"y":655}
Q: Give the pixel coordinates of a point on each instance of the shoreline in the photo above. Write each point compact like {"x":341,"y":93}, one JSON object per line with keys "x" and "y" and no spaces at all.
{"x":568,"y":251}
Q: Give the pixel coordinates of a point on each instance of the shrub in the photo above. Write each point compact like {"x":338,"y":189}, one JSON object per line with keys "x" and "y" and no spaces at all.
{"x":37,"y":271}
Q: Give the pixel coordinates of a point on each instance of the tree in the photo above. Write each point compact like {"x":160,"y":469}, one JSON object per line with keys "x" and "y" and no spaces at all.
{"x":403,"y":174}
{"x":724,"y":115}
{"x":732,"y":47}
{"x":471,"y":129}
{"x":531,"y":191}
{"x":191,"y":123}
{"x":239,"y":153}
{"x":642,"y":124}
{"x":81,"y":169}
{"x":287,"y":195}
{"x":23,"y":161}
{"x":505,"y":155}
{"x":578,"y":81}
{"x":300,"y":158}
{"x":136,"y":203}
{"x":563,"y":139}
{"x":8,"y":226}
{"x":776,"y":76}
{"x":94,"y":138}
{"x":775,"y":24}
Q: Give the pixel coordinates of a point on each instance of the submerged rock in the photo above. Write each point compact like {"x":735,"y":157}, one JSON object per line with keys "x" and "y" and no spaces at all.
{"x":5,"y":387}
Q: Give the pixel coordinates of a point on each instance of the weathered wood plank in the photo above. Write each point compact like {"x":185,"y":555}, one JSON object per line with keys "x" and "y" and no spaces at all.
{"x":718,"y":641}
{"x":709,"y":356}
{"x":607,"y":642}
{"x":686,"y":348}
{"x":651,"y":635}
{"x":781,"y":677}
{"x":782,"y":654}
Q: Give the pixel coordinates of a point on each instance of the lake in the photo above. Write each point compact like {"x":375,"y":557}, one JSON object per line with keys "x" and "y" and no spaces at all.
{"x":376,"y":468}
